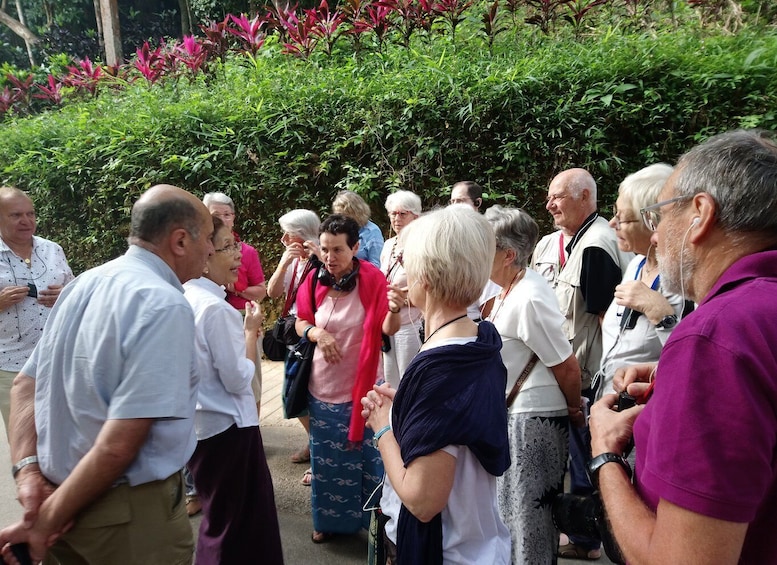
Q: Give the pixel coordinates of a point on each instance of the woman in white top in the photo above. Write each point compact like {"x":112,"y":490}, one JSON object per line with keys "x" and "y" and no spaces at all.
{"x":300,"y":241}
{"x":527,"y":316}
{"x":403,"y":207}
{"x":230,"y":471}
{"x":443,"y":433}
{"x":642,"y":316}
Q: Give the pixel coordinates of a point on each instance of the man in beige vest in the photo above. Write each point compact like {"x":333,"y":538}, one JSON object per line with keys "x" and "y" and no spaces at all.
{"x":584,"y":265}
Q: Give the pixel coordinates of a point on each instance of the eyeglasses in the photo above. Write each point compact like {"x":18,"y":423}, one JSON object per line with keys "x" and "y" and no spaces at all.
{"x":553,"y":197}
{"x":651,"y":214}
{"x":224,"y":215}
{"x":618,"y":221}
{"x":229,"y":248}
{"x":401,"y":215}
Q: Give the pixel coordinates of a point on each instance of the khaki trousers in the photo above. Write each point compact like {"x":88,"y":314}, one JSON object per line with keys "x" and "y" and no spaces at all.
{"x":142,"y":525}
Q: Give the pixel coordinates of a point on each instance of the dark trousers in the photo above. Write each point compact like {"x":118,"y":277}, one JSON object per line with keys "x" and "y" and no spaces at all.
{"x":239,"y":520}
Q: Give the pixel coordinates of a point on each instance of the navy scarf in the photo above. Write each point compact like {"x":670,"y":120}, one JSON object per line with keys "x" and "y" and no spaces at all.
{"x":450,"y":395}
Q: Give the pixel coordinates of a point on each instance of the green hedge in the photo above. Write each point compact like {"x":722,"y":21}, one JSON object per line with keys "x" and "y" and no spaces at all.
{"x":280,"y":133}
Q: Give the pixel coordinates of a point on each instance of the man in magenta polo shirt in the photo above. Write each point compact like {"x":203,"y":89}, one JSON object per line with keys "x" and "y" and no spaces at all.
{"x":706,"y":443}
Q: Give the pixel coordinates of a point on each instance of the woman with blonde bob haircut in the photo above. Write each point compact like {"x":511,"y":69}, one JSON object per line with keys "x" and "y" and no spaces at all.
{"x":443,"y":433}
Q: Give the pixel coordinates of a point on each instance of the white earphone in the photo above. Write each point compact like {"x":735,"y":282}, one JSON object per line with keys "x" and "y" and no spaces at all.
{"x":696,"y":221}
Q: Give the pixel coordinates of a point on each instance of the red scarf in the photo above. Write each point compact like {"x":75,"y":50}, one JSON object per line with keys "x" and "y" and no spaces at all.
{"x":372,"y":293}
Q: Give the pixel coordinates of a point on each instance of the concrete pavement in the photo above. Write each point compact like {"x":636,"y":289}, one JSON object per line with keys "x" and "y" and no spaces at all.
{"x":281,"y":438}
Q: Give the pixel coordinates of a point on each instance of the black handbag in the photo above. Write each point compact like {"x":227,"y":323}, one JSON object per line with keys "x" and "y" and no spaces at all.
{"x":298,"y":368}
{"x":283,"y":332}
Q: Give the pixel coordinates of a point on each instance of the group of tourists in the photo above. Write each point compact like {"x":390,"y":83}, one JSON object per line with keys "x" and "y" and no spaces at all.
{"x":461,"y":369}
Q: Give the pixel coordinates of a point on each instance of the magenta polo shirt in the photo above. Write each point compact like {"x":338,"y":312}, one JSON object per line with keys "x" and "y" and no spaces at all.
{"x":707,"y":440}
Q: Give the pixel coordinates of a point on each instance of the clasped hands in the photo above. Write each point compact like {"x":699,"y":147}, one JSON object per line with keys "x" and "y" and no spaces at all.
{"x":611,"y":430}
{"x":376,"y":406}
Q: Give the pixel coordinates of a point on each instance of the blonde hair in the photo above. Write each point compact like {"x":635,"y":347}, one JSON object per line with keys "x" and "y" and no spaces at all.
{"x":642,"y":188}
{"x":350,"y":204}
{"x":452,"y":253}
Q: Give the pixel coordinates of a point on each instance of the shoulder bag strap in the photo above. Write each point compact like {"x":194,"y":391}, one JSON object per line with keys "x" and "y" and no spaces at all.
{"x":521,"y":379}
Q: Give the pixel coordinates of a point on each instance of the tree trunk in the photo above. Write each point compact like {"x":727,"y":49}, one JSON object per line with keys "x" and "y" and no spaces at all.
{"x":186,"y":17}
{"x":109,"y":9}
{"x":99,"y":19}
{"x":18,"y":28}
{"x":27,"y":42}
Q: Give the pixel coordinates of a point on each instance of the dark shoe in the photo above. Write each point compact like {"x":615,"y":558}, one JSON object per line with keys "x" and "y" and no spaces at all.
{"x":321,"y":537}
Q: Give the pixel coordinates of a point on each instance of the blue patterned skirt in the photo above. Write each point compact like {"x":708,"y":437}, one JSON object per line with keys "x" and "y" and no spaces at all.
{"x":344,"y":473}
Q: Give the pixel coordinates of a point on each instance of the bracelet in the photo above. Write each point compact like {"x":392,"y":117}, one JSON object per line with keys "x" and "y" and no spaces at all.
{"x":22,"y":464}
{"x":305,"y":333}
{"x":379,"y":434}
{"x":394,"y":311}
{"x":597,"y":462}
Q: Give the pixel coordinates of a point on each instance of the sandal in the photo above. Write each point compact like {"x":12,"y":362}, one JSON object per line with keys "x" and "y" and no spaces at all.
{"x":193,"y":505}
{"x":301,"y":456}
{"x":572,"y":551}
{"x":307,"y":478}
{"x":321,"y":537}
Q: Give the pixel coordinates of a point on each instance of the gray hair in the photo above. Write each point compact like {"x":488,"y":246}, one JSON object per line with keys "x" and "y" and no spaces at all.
{"x":641,"y":189}
{"x":738,"y":170}
{"x":579,"y":180}
{"x":452,"y":254}
{"x":404,"y":200}
{"x":301,"y":223}
{"x":514,"y":229}
{"x":153,"y":219}
{"x":218,"y":198}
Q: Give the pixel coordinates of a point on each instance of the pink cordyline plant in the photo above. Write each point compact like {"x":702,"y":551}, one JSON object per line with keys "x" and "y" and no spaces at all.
{"x":325,"y":24}
{"x":52,"y":92}
{"x":84,"y":77}
{"x":149,"y":63}
{"x":250,"y":33}
{"x":299,"y":32}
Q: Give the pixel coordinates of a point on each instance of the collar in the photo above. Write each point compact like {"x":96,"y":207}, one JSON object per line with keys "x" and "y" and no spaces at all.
{"x":208,"y":285}
{"x":586,"y":224}
{"x":156,"y":263}
{"x":762,"y":264}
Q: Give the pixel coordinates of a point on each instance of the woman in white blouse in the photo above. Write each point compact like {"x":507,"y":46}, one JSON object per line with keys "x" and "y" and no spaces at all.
{"x":399,"y":349}
{"x":229,"y":467}
{"x":527,"y":317}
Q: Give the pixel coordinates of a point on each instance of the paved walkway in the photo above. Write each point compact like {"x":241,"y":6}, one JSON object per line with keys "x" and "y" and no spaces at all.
{"x":281,"y":438}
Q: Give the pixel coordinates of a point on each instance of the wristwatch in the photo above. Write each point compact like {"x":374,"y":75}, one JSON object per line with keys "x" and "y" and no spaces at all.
{"x":596,"y":463}
{"x":378,"y":435}
{"x":667,"y":322}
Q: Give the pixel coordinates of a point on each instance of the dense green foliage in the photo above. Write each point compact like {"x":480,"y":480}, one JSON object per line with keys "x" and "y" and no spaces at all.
{"x":278,"y":133}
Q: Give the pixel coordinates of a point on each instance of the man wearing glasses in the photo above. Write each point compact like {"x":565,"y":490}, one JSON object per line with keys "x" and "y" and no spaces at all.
{"x":584,"y":265}
{"x":706,"y":442}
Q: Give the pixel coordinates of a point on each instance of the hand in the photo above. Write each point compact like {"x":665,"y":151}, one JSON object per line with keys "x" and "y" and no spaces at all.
{"x":634,"y":379}
{"x":376,"y":406}
{"x":576,"y":416}
{"x":311,"y":248}
{"x":10,"y":295}
{"x":254,"y":317}
{"x":396,"y":297}
{"x":293,"y":251}
{"x":611,"y":430}
{"x":640,"y":297}
{"x":327,"y":344}
{"x":48,"y":296}
{"x":32,"y":489}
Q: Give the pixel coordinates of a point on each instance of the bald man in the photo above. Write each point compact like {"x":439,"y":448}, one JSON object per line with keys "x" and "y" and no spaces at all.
{"x":33,"y":271}
{"x":584,"y":265}
{"x":102,"y":413}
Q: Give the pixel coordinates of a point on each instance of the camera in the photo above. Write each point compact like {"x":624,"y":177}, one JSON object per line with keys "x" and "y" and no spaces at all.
{"x":584,"y":515}
{"x":32,"y":290}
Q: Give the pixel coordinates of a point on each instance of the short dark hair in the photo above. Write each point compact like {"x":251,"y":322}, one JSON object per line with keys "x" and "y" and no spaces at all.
{"x":337,"y":224}
{"x":474,"y":190}
{"x":152,"y":219}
